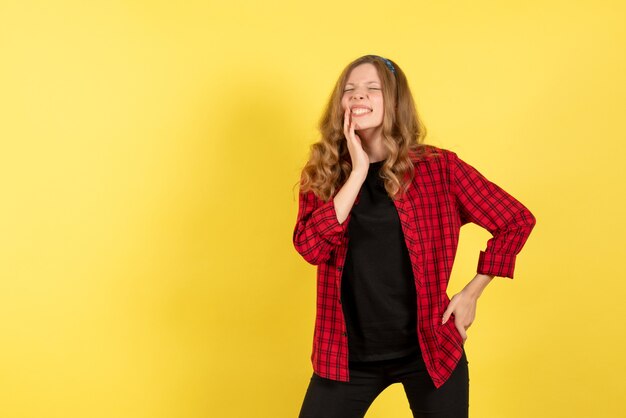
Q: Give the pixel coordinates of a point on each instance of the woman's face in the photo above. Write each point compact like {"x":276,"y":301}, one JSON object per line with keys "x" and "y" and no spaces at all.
{"x":364,"y":96}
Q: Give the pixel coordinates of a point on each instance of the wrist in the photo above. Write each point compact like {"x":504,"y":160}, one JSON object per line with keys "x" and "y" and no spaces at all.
{"x":358,"y":175}
{"x":475,"y":287}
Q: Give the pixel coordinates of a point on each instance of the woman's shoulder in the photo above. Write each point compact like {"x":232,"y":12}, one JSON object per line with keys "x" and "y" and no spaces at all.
{"x":427,"y":153}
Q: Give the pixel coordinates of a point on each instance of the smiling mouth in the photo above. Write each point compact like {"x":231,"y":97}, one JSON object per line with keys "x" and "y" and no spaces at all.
{"x":360,"y":111}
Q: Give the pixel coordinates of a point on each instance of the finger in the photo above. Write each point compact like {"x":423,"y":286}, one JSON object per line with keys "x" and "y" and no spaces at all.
{"x":462,"y":332}
{"x":346,"y":117}
{"x":448,"y":312}
{"x":446,"y":315}
{"x":353,"y":127}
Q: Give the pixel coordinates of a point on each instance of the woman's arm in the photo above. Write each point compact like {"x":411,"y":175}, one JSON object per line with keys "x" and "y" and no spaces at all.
{"x":345,"y":197}
{"x":320,"y":225}
{"x":484,"y":203}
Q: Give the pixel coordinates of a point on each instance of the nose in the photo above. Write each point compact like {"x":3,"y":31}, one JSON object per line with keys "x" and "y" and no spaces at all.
{"x":357,"y":94}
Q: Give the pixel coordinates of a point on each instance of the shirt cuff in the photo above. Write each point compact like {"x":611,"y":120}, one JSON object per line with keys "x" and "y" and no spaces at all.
{"x":326,"y":224}
{"x":496,"y":264}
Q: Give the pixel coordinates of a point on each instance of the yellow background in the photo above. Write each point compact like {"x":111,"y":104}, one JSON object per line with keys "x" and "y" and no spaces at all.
{"x":147,"y":157}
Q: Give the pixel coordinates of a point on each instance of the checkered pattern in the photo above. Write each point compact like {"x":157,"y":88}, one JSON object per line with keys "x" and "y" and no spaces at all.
{"x":445,"y":194}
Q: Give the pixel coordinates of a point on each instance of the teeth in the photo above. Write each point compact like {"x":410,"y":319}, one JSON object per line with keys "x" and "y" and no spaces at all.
{"x":360,"y":111}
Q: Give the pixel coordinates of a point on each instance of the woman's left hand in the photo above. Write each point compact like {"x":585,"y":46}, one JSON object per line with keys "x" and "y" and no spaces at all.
{"x":463,"y":306}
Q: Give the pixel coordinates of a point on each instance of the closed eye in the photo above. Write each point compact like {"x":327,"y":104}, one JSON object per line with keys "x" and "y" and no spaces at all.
{"x":371,"y":88}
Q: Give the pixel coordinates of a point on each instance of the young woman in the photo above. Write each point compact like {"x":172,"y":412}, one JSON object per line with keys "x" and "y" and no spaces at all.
{"x":379,"y":214}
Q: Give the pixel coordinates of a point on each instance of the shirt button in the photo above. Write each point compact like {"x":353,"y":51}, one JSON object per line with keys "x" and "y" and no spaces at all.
{"x":345,"y":334}
{"x":339,"y":268}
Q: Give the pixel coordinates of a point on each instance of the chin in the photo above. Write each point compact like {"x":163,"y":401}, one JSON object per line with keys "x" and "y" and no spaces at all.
{"x":367,"y":127}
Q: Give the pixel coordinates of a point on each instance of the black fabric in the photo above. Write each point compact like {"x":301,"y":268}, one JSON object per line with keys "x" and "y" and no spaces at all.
{"x":377,"y":286}
{"x":327,"y":398}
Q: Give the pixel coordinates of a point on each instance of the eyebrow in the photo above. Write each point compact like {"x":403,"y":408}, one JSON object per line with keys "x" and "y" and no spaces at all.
{"x":367,"y":82}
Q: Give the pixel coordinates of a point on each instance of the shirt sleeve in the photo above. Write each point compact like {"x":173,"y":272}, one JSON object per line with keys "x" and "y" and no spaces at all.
{"x":317,"y":231}
{"x":484,"y":203}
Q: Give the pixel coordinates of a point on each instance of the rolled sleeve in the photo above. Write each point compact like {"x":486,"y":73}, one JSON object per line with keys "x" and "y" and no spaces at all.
{"x":317,"y":231}
{"x":486,"y":204}
{"x":325,"y":223}
{"x":495,"y":264}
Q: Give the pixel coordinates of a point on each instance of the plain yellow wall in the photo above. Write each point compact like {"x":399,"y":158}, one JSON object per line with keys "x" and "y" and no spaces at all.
{"x":147,"y":157}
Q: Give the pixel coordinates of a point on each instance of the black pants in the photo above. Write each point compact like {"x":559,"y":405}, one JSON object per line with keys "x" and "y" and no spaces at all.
{"x":327,"y":398}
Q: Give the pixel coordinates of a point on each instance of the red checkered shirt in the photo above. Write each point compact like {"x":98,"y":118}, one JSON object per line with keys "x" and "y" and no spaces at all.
{"x":445,"y":194}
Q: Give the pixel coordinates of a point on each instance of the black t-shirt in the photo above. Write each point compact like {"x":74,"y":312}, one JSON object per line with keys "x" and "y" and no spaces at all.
{"x":377,"y":286}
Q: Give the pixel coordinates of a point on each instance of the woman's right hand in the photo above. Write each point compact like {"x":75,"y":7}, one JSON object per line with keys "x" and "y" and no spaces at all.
{"x":360,"y":159}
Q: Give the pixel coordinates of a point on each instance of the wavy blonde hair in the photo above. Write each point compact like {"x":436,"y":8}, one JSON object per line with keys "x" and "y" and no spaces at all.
{"x":403,"y":133}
